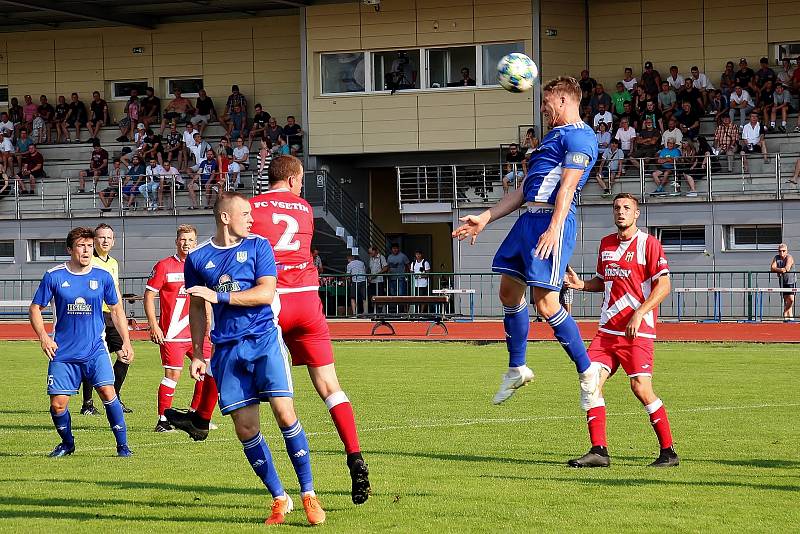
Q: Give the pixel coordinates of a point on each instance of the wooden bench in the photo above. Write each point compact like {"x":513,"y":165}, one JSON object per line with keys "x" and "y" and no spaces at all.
{"x":436,"y":318}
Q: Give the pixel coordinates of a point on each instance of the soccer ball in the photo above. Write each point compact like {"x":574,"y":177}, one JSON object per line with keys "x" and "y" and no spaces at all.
{"x":516,"y":72}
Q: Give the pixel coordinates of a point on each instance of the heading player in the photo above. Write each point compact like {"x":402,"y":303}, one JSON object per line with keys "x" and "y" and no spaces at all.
{"x":171,"y":332}
{"x":633,"y":273}
{"x":539,"y":245}
{"x":78,"y":350}
{"x":236,"y":273}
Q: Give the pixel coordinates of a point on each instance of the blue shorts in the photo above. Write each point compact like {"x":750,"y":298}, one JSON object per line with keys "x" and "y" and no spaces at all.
{"x":516,"y":258}
{"x":250,"y":370}
{"x":64,"y":378}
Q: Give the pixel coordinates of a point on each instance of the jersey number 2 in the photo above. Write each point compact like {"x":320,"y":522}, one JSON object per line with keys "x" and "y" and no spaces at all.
{"x":285,"y":241}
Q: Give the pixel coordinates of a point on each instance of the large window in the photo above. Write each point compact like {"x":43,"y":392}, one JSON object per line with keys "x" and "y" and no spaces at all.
{"x":396,"y":70}
{"x":451,"y":67}
{"x":754,"y":237}
{"x":3,"y":95}
{"x":6,"y":251}
{"x":682,"y":238}
{"x":122,"y":90}
{"x":343,"y":73}
{"x":189,"y":86}
{"x":49,"y":250}
{"x":491,"y":56}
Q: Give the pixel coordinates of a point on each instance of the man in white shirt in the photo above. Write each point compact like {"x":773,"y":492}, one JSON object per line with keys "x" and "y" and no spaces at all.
{"x":358,"y":283}
{"x":628,"y":81}
{"x":673,"y":132}
{"x":377,"y":266}
{"x":674,"y":79}
{"x":6,"y":126}
{"x":785,"y":75}
{"x":753,"y":140}
{"x":198,"y":149}
{"x":603,"y":116}
{"x":188,"y":142}
{"x":7,"y":153}
{"x":151,"y":184}
{"x":168,"y":175}
{"x":741,"y":102}
{"x":701,"y":83}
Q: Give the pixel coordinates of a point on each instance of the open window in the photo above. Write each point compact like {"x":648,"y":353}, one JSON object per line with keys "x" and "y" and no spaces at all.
{"x":451,"y":67}
{"x":396,"y":70}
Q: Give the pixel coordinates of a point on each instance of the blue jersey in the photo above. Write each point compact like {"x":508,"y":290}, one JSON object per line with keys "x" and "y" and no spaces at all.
{"x":79,"y":324}
{"x":234,"y":268}
{"x":207,"y":167}
{"x":572,"y":146}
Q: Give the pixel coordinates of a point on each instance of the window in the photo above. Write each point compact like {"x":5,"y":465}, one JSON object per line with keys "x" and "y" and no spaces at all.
{"x":3,"y":95}
{"x":492,"y":54}
{"x":50,"y":250}
{"x":396,"y":70}
{"x":188,"y":86}
{"x":786,"y":50}
{"x":122,"y":90}
{"x":343,"y":73}
{"x":6,"y":252}
{"x":450,"y":67}
{"x":682,"y":238}
{"x":754,"y":237}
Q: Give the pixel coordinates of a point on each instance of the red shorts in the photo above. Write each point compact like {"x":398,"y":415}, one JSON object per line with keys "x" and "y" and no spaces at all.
{"x":304,"y":328}
{"x":634,"y":355}
{"x":173,"y":353}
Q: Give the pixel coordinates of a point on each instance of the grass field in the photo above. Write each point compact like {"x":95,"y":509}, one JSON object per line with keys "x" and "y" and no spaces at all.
{"x":442,"y":458}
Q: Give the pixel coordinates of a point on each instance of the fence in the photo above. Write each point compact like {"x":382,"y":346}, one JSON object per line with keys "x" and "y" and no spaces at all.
{"x":336,"y":292}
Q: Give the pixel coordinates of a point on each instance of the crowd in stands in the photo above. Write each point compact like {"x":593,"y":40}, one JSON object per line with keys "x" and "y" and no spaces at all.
{"x":157,"y":159}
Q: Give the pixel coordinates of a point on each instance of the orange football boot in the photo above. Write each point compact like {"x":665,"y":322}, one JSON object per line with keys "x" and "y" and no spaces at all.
{"x":280,"y":507}
{"x":314,"y":511}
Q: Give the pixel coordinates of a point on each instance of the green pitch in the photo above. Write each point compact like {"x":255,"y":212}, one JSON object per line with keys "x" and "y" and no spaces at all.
{"x":442,"y":458}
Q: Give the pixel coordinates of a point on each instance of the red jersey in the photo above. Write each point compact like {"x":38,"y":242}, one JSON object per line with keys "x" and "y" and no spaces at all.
{"x":167,"y":280}
{"x":628,"y":269}
{"x":287,"y":221}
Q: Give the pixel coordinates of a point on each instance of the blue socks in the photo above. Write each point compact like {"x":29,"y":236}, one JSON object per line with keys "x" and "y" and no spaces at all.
{"x":63,"y":423}
{"x":297,"y":448}
{"x":117,"y":421}
{"x":260,"y":459}
{"x":566,"y":331}
{"x":516,"y":323}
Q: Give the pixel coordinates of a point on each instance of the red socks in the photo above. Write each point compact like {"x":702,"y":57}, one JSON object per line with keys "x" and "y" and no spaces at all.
{"x":197,"y":395}
{"x":342,"y":414}
{"x":166,"y":390}
{"x":596,"y":420}
{"x":660,"y":422}
{"x":208,"y":398}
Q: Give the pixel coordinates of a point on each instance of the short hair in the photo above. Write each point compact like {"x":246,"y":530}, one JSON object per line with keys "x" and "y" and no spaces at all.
{"x":627,"y":196}
{"x":81,"y":232}
{"x":695,"y":68}
{"x":225,"y":198}
{"x":96,"y":143}
{"x":282,"y":167}
{"x":628,"y":69}
{"x":564,"y":86}
{"x":74,"y":94}
{"x":394,"y":245}
{"x":259,"y":105}
{"x":290,"y":117}
{"x":673,"y":67}
{"x":149,"y":89}
{"x":185,"y":229}
{"x":615,"y":141}
{"x":103,"y":226}
{"x":234,"y":87}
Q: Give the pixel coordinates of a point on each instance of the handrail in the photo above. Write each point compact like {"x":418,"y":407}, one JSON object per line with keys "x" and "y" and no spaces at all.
{"x":352,"y":216}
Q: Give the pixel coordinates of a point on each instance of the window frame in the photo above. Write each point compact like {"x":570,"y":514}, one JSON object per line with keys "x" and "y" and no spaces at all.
{"x":658,"y":231}
{"x":115,"y":98}
{"x":422,"y":69}
{"x":732,"y":246}
{"x":496,"y":83}
{"x":478,"y":65}
{"x":8,"y":98}
{"x":169,"y":94}
{"x":12,"y":257}
{"x":367,"y":73}
{"x":36,"y":251}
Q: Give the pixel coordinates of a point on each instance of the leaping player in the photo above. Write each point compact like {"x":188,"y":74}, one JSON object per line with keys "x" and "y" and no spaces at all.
{"x":538,"y":247}
{"x":633,"y":273}
{"x":171,"y":333}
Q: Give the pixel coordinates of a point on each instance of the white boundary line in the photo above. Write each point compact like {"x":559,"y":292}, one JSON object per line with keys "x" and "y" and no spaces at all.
{"x":454,"y":424}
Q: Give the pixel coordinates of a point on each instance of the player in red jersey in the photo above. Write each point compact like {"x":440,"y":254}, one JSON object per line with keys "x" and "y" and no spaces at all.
{"x":171,"y":333}
{"x":633,"y":273}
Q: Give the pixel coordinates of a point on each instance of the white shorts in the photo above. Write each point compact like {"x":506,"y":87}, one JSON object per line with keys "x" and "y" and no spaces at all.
{"x":197,"y":119}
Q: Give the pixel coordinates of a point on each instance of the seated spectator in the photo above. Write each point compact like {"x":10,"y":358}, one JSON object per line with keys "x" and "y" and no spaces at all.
{"x":29,"y":110}
{"x":587,"y":115}
{"x":237,"y":123}
{"x":39,"y":129}
{"x":152,"y":147}
{"x":603,"y":137}
{"x":688,"y":167}
{"x":23,"y":143}
{"x":233,"y":175}
{"x":689,"y":121}
{"x":530,"y":142}
{"x":782,"y":103}
{"x":60,"y":120}
{"x":753,"y":140}
{"x":619,"y":98}
{"x":514,"y":168}
{"x":110,"y":192}
{"x":76,"y":117}
{"x":610,"y":167}
{"x":264,"y":158}
{"x":139,"y":138}
{"x":47,"y":112}
{"x":204,"y":111}
{"x":718,"y":105}
{"x":587,"y":85}
{"x":641,"y":98}
{"x":693,"y":96}
{"x":5,"y":184}
{"x":7,"y":126}
{"x":7,"y":152}
{"x":648,"y":142}
{"x":764,"y":74}
{"x":216,"y":182}
{"x":234,"y":99}
{"x":629,"y":82}
{"x":173,"y":145}
{"x":602,"y":116}
{"x":766,"y":101}
{"x":650,"y":79}
{"x":784,"y":76}
{"x":151,"y":185}
{"x":627,"y":140}
{"x":745,"y":77}
{"x":98,"y":166}
{"x":674,"y":79}
{"x":740,"y":102}
{"x":273,"y":130}
{"x":98,"y":116}
{"x":726,"y":140}
{"x":709,"y":156}
{"x":169,"y":175}
{"x":667,"y":101}
{"x":31,"y":169}
{"x":294,"y":135}
{"x":198,"y":151}
{"x":241,"y":154}
{"x":629,"y":114}
{"x":465,"y":81}
{"x":667,"y":157}
{"x":15,"y":113}
{"x":150,"y":108}
{"x":135,"y":177}
{"x":128,"y":123}
{"x":207,"y":170}
{"x":728,"y":79}
{"x":259,"y":126}
{"x":179,"y":109}
{"x":672,"y":132}
{"x":701,"y":83}
{"x":188,"y":143}
{"x":651,"y":112}
{"x":282,"y":148}
{"x":600,"y":97}
{"x":224,"y":149}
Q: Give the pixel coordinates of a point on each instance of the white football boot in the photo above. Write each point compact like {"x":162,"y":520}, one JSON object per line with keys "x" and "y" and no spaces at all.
{"x":515,"y":378}
{"x":590,"y":386}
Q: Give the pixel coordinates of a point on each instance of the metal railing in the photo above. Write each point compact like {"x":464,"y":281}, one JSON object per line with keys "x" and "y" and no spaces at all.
{"x":351,"y":215}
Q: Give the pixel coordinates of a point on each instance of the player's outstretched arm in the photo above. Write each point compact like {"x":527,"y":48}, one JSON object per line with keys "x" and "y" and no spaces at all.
{"x":574,"y":281}
{"x":198,"y":326}
{"x":121,"y":324}
{"x":474,"y":224}
{"x":661,"y":288}
{"x":156,"y":335}
{"x":37,"y":322}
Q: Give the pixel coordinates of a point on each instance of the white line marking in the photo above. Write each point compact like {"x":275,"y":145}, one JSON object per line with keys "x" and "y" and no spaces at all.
{"x":453,"y":424}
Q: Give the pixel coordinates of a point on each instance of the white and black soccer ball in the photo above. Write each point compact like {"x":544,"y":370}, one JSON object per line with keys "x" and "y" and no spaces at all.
{"x":517,"y":72}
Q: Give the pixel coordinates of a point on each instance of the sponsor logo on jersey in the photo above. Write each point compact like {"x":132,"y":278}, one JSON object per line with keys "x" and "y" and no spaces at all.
{"x":662,"y":261}
{"x":174,"y":277}
{"x":607,"y":255}
{"x":629,"y":256}
{"x":65,"y":284}
{"x":613,"y":270}
{"x":79,"y":306}
{"x":93,"y":284}
{"x":241,"y":256}
{"x":210,"y":265}
{"x":226,"y":284}
{"x":282,"y":205}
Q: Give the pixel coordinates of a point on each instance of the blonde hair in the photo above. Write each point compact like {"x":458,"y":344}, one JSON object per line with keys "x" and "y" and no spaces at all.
{"x":566,"y":86}
{"x":186,"y":229}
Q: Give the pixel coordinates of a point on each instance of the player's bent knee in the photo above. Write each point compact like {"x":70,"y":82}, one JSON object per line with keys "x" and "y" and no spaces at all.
{"x":642,"y":388}
{"x":58,"y":403}
{"x":106,"y":393}
{"x":283,"y":410}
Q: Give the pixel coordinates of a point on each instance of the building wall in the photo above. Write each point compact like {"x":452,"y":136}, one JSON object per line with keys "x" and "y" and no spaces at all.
{"x":261,"y":55}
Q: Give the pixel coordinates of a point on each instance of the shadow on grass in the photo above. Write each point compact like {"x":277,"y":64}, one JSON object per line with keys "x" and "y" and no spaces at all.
{"x":660,"y":482}
{"x":123,"y":516}
{"x":448,"y":457}
{"x":753,"y":462}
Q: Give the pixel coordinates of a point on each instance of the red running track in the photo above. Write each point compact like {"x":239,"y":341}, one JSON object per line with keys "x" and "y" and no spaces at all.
{"x":493,"y":331}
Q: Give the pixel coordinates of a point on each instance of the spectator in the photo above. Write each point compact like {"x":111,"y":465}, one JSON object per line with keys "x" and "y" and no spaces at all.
{"x":420,"y":267}
{"x":179,"y":109}
{"x":150,"y":108}
{"x":782,"y":103}
{"x":603,"y":137}
{"x":693,"y":96}
{"x":128,"y":123}
{"x":76,"y":117}
{"x":600,"y":97}
{"x":139,"y":138}
{"x":173,"y":145}
{"x":169,"y":175}
{"x":672,"y":132}
{"x":514,"y":168}
{"x":48,"y":113}
{"x":29,"y":110}
{"x":224,"y":149}
{"x":741,"y":102}
{"x":530,"y":143}
{"x":764,"y":74}
{"x":587,"y":86}
{"x":60,"y":120}
{"x":294,"y":135}
{"x":688,"y":166}
{"x":7,"y":127}
{"x":619,"y":98}
{"x":241,"y":154}
{"x":651,"y":112}
{"x":39,"y":129}
{"x":15,"y":113}
{"x":98,"y":166}
{"x":23,"y":143}
{"x":629,"y":114}
{"x":398,"y":266}
{"x":587,"y":115}
{"x":134,"y":178}
{"x":718,"y":105}
{"x":237,"y":123}
{"x":98,"y":111}
{"x":726,"y":140}
{"x":666,"y":157}
{"x":282,"y":148}
{"x":701,"y":83}
{"x":744,"y":76}
{"x":796,"y":82}
{"x":153,"y":178}
{"x":259,"y":127}
{"x":205,"y":111}
{"x":5,"y":185}
{"x":199,"y":151}
{"x":627,"y":140}
{"x":795,"y":174}
{"x":709,"y":156}
{"x":206,"y":178}
{"x":317,"y":259}
{"x":647,"y":143}
{"x":234,"y":99}
{"x":674,"y":79}
{"x":188,"y":143}
{"x":782,"y":265}
{"x":7,"y":152}
{"x":629,"y":82}
{"x":785,"y":74}
{"x":667,"y":100}
{"x":651,"y":79}
{"x":264,"y":158}
{"x":766,"y":101}
{"x":689,"y":121}
{"x":377,"y":266}
{"x":273,"y":130}
{"x":610,"y":167}
{"x":602,"y":116}
{"x":31,"y":169}
{"x":232,"y":176}
{"x":728,"y":79}
{"x":753,"y":140}
{"x":152,"y":147}
{"x":115,"y":178}
{"x":356,"y":270}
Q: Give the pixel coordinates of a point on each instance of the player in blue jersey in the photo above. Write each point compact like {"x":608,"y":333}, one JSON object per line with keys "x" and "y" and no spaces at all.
{"x":78,"y":350}
{"x":236,"y":273}
{"x":539,"y":245}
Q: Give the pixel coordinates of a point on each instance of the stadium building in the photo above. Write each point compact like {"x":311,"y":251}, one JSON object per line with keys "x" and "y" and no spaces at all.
{"x":405,"y":127}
